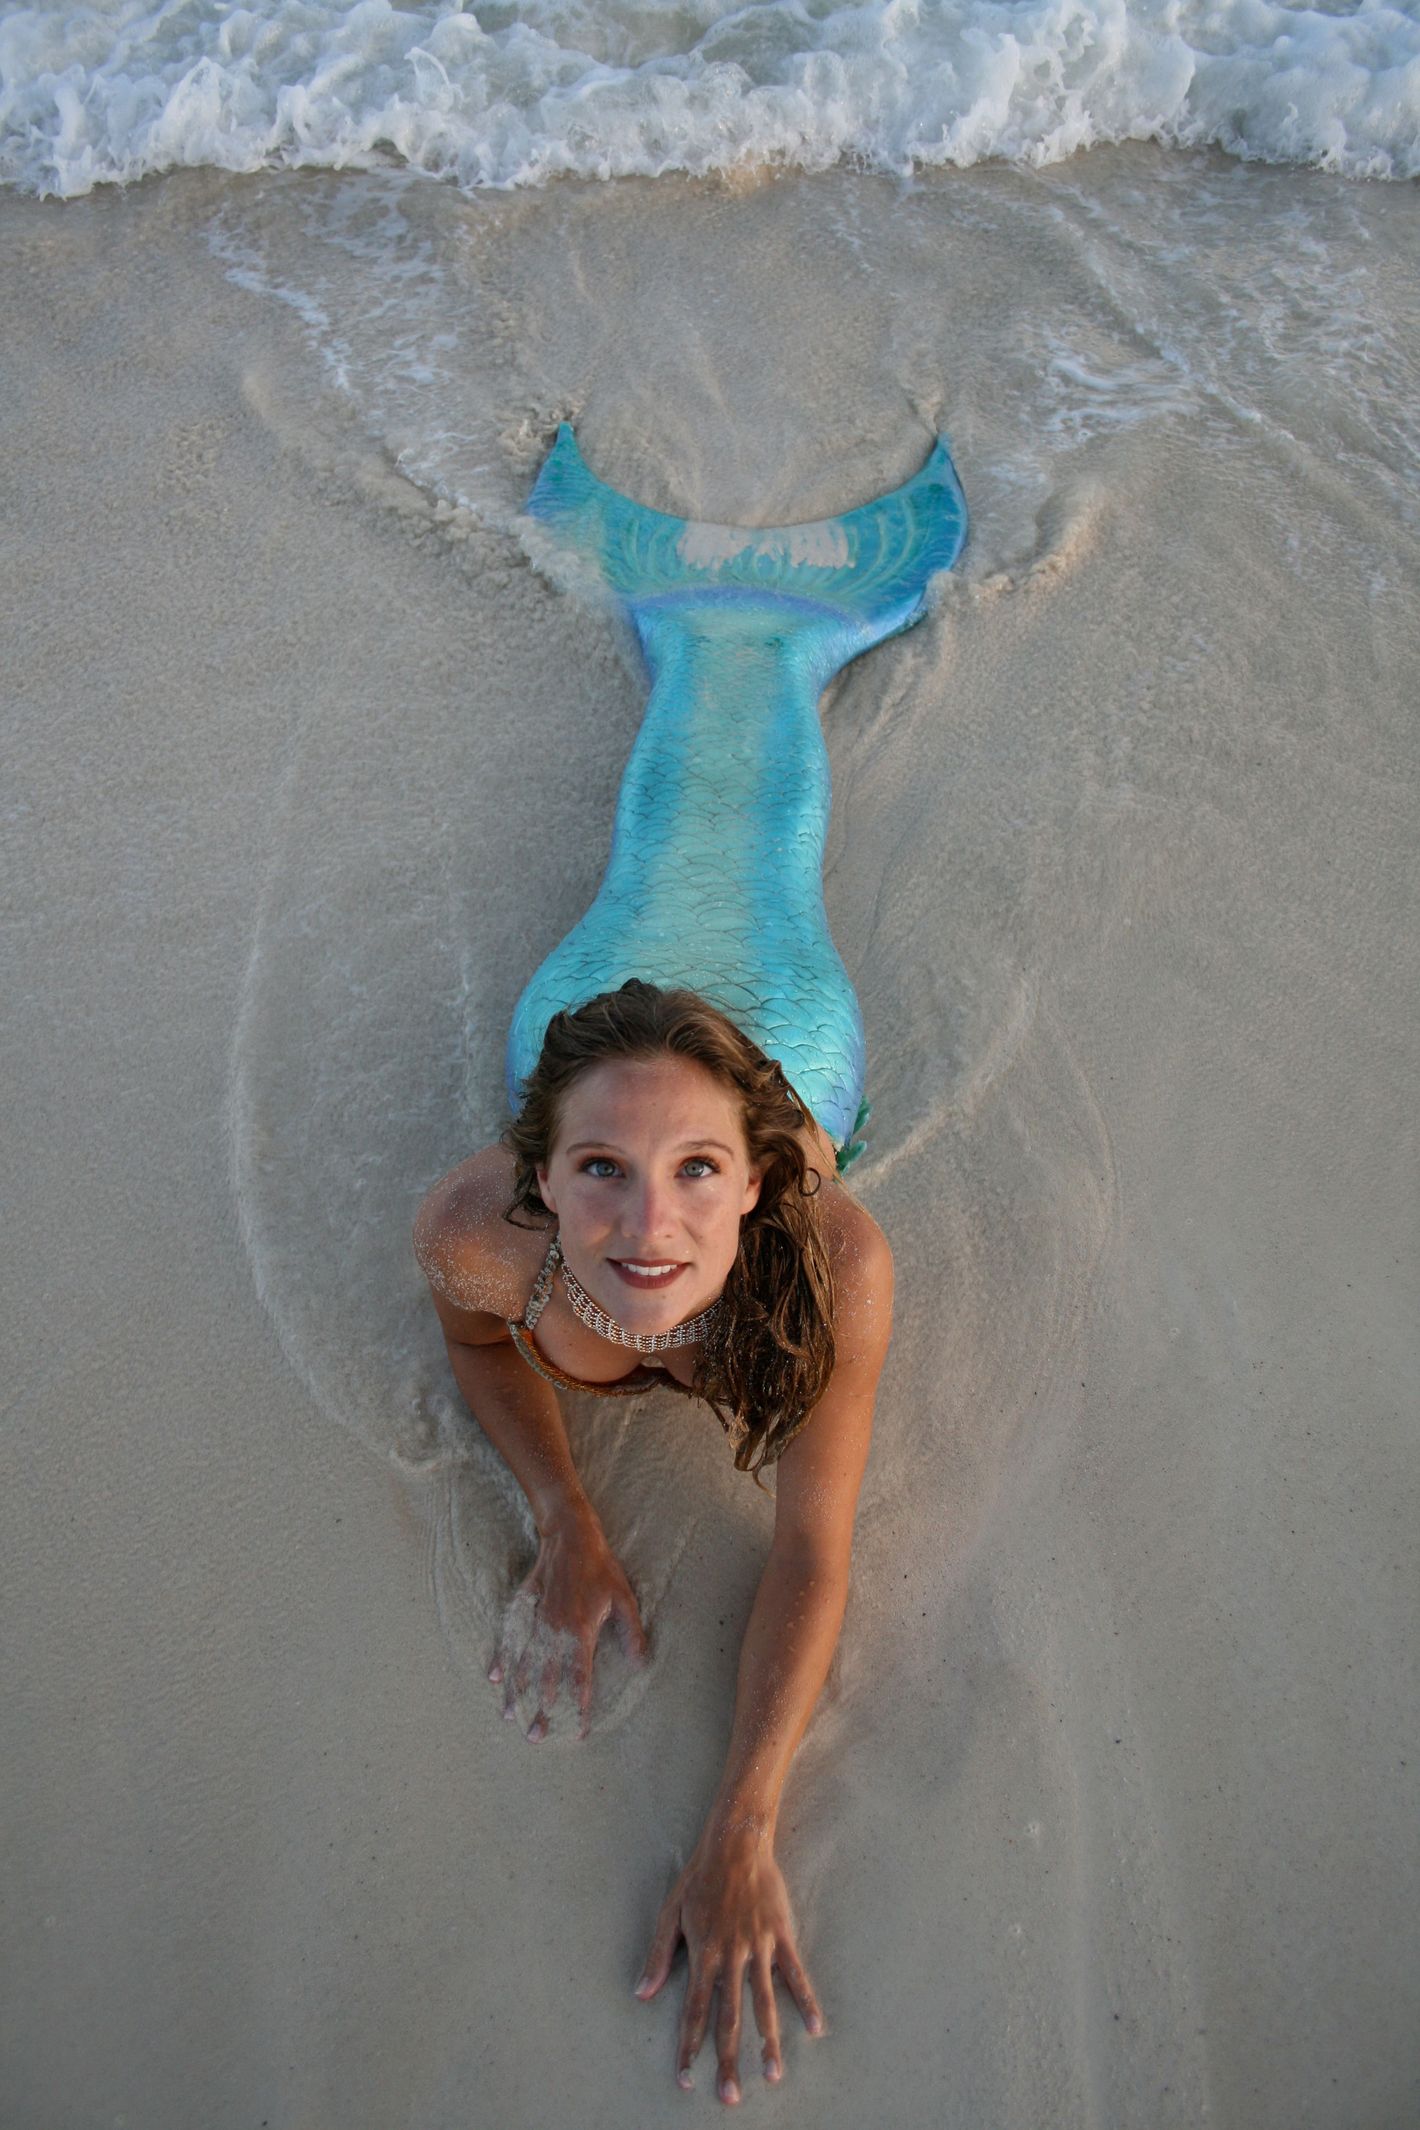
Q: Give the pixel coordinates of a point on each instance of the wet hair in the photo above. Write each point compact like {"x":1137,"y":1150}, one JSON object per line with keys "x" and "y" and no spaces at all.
{"x":769,"y":1358}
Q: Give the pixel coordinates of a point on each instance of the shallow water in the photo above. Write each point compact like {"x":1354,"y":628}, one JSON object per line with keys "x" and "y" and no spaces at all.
{"x":504,"y":95}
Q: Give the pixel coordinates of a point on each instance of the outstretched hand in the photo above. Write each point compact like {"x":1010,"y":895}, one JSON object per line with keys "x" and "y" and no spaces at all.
{"x":731,"y":1906}
{"x":555,"y":1618}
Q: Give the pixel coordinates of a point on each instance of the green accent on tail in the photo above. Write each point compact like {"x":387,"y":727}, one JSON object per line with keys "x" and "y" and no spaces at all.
{"x":848,"y":1153}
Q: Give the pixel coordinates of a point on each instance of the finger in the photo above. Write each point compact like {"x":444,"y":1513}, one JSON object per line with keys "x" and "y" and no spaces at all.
{"x":633,"y":1634}
{"x":727,"y":2029}
{"x":514,"y":1683}
{"x":582,"y":1688}
{"x":796,"y":1979}
{"x":547,"y":1695}
{"x":516,"y":1633}
{"x":766,"y":2015}
{"x":663,"y":1945}
{"x":694,"y":2019}
{"x":502,"y":1656}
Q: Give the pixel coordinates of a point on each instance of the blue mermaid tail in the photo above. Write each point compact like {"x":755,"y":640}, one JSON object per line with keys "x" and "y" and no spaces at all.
{"x":715,"y":879}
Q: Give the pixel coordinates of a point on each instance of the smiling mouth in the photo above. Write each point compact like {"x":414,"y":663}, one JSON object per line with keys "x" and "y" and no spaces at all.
{"x":648,"y":1275}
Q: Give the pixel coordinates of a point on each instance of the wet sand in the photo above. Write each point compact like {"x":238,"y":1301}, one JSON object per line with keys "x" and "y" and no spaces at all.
{"x":1108,"y":1814}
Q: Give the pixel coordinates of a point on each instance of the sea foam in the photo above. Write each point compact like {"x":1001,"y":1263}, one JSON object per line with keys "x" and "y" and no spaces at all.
{"x":509,"y":95}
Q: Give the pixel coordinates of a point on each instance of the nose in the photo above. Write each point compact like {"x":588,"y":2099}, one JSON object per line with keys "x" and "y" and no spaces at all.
{"x":648,"y":1218}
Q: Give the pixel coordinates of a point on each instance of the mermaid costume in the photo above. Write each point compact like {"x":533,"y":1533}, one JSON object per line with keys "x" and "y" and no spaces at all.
{"x":715,"y":880}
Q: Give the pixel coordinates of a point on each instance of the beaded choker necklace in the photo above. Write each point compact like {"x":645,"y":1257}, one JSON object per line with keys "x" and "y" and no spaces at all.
{"x":606,"y":1327}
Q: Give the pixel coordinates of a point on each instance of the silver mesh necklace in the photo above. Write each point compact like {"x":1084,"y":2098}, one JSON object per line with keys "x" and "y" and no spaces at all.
{"x":606,"y":1327}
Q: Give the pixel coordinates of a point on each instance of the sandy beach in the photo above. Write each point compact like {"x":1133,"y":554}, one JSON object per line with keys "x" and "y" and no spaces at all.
{"x":1108,"y":1816}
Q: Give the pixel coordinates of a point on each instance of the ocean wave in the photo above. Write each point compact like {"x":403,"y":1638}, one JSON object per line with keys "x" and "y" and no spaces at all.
{"x":504,"y":95}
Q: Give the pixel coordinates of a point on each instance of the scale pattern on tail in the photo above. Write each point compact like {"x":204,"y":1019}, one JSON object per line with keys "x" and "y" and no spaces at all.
{"x":715,"y":879}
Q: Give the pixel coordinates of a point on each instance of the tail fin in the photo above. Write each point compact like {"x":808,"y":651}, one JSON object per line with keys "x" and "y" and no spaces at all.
{"x":871,"y":566}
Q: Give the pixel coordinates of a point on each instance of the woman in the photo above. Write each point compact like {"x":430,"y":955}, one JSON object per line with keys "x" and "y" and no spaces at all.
{"x":686,"y":1075}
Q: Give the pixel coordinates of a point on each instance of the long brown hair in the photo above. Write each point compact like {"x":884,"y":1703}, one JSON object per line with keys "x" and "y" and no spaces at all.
{"x":769,"y":1359}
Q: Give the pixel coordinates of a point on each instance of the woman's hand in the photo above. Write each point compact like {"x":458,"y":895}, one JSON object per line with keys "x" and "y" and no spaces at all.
{"x":731,"y":1906}
{"x":551,"y":1628}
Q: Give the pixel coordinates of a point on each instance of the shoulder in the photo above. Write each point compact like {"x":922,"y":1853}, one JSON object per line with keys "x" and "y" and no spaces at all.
{"x":861,"y":1257}
{"x":858,"y":1250}
{"x":479,"y":1266}
{"x":821,"y":1471}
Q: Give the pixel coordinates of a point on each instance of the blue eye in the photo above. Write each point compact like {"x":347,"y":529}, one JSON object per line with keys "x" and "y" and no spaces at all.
{"x":702,"y":1161}
{"x":598,"y":1161}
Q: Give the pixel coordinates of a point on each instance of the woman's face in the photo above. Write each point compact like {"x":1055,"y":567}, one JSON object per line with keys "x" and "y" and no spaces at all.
{"x":649,"y":1179}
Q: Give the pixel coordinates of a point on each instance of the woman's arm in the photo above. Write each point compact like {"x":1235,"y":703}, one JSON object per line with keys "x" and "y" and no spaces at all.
{"x":519,"y":1414}
{"x":576,"y":1584}
{"x":730,"y":1904}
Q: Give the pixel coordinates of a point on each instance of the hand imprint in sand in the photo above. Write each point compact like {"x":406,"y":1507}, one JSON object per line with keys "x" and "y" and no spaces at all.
{"x":553,"y":1623}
